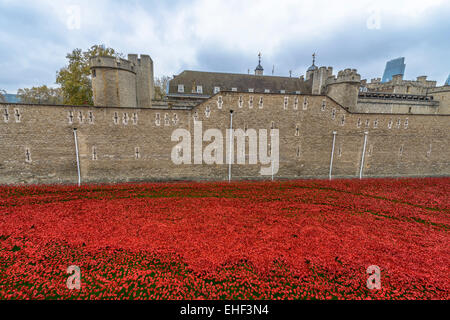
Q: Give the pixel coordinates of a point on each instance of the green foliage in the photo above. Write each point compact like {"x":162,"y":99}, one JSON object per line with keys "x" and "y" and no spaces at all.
{"x":75,"y":78}
{"x":40,"y":95}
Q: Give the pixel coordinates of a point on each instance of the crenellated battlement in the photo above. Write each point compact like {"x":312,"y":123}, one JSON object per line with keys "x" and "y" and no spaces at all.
{"x":113,"y":63}
{"x":347,"y":75}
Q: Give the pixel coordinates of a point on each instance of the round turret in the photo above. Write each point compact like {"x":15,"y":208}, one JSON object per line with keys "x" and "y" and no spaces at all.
{"x":113,"y":82}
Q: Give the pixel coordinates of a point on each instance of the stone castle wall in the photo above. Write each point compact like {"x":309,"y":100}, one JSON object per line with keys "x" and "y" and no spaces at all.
{"x":134,"y":144}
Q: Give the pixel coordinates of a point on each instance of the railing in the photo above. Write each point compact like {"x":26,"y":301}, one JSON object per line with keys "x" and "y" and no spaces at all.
{"x":395,"y":96}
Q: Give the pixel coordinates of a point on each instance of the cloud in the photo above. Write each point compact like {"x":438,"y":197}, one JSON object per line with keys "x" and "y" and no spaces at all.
{"x":226,"y":35}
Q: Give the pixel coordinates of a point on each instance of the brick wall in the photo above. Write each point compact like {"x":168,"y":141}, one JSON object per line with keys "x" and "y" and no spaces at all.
{"x":127,"y":144}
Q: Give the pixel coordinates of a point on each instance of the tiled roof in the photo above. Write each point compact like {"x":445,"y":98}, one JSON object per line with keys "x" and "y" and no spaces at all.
{"x":242,"y":82}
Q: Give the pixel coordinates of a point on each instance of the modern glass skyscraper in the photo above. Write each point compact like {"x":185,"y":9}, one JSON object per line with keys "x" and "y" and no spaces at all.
{"x":394,"y":67}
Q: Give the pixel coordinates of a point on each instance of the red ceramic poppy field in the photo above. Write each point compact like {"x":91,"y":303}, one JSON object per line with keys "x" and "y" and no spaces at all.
{"x":244,"y":240}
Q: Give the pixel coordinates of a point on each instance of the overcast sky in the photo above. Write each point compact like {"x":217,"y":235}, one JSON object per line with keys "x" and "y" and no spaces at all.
{"x":226,"y":35}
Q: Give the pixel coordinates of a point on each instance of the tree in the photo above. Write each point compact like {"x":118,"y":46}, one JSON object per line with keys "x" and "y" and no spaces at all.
{"x":2,"y":95}
{"x":161,"y":87}
{"x":75,"y":78}
{"x":40,"y":95}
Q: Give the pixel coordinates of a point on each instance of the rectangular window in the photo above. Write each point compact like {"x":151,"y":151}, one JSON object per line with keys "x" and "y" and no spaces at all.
{"x":175,"y":119}
{"x":17,"y":115}
{"x":234,"y":89}
{"x":137,"y":153}
{"x":250,"y":102}
{"x":207,"y":111}
{"x":199,"y":89}
{"x":333,"y":114}
{"x":324,"y":105}
{"x":241,"y":101}
{"x":286,"y":103}
{"x":181,"y":88}
{"x":94,"y":153}
{"x":266,"y":90}
{"x":27,"y":155}
{"x":216,"y":90}
{"x":116,"y":118}
{"x":125,"y":118}
{"x":251,"y":90}
{"x":158,"y":119}
{"x":282,"y":91}
{"x":166,"y":119}
{"x":219,"y":102}
{"x":261,"y":102}
{"x":91,"y":116}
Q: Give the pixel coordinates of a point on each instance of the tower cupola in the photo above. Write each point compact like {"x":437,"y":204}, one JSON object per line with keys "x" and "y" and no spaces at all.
{"x":259,"y":71}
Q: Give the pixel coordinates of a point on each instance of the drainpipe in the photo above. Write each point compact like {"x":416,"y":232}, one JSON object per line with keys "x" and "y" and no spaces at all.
{"x":78,"y":155}
{"x":231,"y":146}
{"x":271,"y":141}
{"x":363,"y":155}
{"x":332,"y":153}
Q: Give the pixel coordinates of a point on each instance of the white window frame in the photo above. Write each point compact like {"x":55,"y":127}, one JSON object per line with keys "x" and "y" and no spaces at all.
{"x":216,"y":90}
{"x":181,"y":88}
{"x":199,"y":89}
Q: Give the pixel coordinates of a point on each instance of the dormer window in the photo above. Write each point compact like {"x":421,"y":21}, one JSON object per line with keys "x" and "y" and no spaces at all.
{"x":199,"y":89}
{"x":234,"y":89}
{"x":266,"y":90}
{"x":181,"y":88}
{"x":216,"y":90}
{"x":282,"y":91}
{"x":251,"y":90}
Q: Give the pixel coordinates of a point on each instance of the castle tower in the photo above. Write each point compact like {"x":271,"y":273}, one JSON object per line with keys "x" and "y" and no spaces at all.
{"x":319,"y":76}
{"x":312,"y":68}
{"x":113,"y":82}
{"x":344,"y":88}
{"x":144,"y":79}
{"x":259,"y":71}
